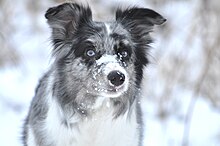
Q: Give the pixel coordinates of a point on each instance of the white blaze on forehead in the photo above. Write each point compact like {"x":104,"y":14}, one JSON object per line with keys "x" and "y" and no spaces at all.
{"x":109,"y":31}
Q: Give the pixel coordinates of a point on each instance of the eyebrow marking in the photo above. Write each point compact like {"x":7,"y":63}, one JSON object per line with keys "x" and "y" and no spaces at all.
{"x":117,"y":36}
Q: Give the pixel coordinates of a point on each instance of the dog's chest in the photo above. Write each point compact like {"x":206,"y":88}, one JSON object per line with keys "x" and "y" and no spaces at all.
{"x":105,"y":131}
{"x":100,"y":130}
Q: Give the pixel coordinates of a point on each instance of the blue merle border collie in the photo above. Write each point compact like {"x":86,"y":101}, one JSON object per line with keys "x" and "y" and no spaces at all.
{"x":90,"y":94}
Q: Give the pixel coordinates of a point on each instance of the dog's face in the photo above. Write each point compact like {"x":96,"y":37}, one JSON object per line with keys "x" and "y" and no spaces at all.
{"x":102,"y":59}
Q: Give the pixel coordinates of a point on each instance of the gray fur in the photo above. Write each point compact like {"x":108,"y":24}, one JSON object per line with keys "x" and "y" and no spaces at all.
{"x":78,"y":81}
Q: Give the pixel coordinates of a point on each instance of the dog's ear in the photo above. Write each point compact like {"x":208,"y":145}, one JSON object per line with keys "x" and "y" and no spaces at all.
{"x":64,"y":20}
{"x":139,"y":20}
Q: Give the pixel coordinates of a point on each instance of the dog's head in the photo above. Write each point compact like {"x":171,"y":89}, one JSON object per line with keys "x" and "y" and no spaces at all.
{"x":101,"y":59}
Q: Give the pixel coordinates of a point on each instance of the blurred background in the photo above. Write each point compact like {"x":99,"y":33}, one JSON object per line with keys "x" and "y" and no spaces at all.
{"x":181,"y":88}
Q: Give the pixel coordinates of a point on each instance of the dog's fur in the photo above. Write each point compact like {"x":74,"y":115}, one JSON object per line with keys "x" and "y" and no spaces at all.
{"x":76,"y":104}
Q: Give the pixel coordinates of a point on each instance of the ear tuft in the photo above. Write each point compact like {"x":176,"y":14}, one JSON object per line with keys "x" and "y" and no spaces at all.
{"x":68,"y":12}
{"x":54,"y":10}
{"x":144,"y":15}
{"x":139,"y":22}
{"x":65,"y":19}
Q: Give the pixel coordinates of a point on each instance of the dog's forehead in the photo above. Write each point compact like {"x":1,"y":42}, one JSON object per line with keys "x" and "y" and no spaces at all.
{"x":108,"y":33}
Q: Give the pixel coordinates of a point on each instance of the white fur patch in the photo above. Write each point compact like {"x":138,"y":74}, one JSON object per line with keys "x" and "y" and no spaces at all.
{"x":103,"y":130}
{"x":57,"y":131}
{"x":109,"y":31}
{"x":30,"y":139}
{"x":106,"y":59}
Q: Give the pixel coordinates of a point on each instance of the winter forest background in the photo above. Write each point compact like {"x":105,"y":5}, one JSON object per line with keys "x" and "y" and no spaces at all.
{"x":181,"y":89}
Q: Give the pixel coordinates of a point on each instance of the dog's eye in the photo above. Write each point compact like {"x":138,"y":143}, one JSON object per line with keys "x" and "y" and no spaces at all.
{"x":123,"y":54}
{"x":90,"y":53}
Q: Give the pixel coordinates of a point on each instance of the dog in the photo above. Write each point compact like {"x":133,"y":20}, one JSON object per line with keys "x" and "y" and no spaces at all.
{"x":90,"y":96}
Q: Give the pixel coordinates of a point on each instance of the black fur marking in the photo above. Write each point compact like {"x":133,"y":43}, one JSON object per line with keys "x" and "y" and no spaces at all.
{"x":140,"y":62}
{"x":117,"y":36}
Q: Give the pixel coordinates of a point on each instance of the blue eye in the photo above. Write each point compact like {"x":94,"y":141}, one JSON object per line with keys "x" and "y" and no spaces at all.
{"x":90,"y":53}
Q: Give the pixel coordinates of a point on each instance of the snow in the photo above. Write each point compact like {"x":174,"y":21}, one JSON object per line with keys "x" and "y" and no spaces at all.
{"x":106,"y":59}
{"x":204,"y":128}
{"x":17,"y":83}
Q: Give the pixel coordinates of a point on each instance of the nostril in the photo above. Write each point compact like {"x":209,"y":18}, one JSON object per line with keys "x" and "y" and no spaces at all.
{"x":116,"y":78}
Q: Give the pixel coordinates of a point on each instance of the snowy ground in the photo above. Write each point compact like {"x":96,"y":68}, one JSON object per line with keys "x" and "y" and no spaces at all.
{"x":17,"y":85}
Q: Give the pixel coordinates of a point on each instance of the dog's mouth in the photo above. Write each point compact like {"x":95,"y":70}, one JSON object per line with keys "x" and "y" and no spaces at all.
{"x":114,"y":89}
{"x":111,"y":91}
{"x":113,"y":85}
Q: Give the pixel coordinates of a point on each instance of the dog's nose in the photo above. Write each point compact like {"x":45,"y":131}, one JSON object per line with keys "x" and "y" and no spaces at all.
{"x":116,"y":78}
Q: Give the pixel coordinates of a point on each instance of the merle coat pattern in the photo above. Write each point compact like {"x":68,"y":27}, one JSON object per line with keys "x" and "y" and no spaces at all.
{"x":90,"y":95}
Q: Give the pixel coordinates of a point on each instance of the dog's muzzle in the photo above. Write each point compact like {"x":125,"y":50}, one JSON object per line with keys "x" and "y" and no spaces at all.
{"x":112,"y":80}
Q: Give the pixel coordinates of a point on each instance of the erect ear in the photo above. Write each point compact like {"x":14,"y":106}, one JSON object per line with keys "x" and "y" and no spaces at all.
{"x":64,"y":20}
{"x":139,"y":20}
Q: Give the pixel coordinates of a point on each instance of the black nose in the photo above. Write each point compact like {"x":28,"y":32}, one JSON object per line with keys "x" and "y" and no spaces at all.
{"x":117,"y":78}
